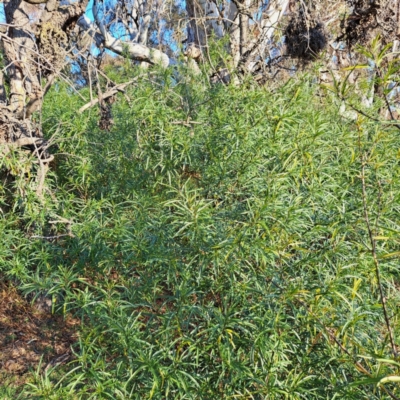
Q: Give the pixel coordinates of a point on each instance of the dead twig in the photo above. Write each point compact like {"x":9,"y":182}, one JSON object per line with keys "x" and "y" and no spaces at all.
{"x":51,"y":237}
{"x":109,"y":93}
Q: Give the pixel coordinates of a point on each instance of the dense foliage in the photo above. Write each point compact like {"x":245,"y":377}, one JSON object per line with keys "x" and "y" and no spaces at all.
{"x":215,"y":243}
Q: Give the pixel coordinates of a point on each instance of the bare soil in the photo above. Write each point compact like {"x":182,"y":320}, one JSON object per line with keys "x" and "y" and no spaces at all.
{"x":30,"y":332}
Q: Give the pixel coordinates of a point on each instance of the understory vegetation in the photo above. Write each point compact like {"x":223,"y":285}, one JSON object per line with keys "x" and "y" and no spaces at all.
{"x":216,"y":242}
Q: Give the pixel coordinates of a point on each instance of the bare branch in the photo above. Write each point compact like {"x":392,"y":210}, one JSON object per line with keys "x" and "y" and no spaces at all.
{"x":135,"y":51}
{"x":35,"y":103}
{"x":36,"y":1}
{"x":3,"y":96}
{"x":109,"y":93}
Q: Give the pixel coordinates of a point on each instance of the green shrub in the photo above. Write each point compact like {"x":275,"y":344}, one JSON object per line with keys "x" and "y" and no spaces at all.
{"x":214,"y":245}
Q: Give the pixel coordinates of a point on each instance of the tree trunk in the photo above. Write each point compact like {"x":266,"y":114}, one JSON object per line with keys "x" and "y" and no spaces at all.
{"x":32,"y":50}
{"x":203,"y":20}
{"x":19,"y":49}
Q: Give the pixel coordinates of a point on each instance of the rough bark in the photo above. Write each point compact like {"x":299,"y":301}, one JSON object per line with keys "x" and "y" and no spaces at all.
{"x":20,"y":49}
{"x":3,"y":95}
{"x":34,"y":48}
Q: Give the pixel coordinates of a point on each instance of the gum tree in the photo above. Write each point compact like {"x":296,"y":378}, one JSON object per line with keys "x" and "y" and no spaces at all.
{"x":35,"y":45}
{"x":41,"y":37}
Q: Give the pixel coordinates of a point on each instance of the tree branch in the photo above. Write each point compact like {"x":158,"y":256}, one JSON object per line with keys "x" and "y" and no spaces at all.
{"x":34,"y":104}
{"x":134,"y":51}
{"x":36,"y":1}
{"x":109,"y":93}
{"x":3,"y":97}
